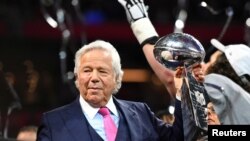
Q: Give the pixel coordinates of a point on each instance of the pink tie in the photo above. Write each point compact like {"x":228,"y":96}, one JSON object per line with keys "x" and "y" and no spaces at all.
{"x":109,"y":125}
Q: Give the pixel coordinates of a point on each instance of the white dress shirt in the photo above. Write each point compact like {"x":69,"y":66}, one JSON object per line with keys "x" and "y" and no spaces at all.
{"x":95,"y":119}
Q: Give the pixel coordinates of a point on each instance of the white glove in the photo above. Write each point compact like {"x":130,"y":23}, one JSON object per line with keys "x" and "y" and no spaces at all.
{"x":138,"y":18}
{"x":135,"y":9}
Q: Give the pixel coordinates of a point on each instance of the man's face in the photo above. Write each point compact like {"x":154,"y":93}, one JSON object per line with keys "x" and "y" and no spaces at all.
{"x":96,"y":77}
{"x":213,"y":118}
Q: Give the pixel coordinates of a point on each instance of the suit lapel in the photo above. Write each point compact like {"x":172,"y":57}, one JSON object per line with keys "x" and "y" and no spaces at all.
{"x":76,"y":122}
{"x":132,"y":119}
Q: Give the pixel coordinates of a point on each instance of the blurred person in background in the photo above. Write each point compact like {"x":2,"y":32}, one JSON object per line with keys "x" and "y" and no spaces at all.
{"x":212,"y":117}
{"x":27,"y":133}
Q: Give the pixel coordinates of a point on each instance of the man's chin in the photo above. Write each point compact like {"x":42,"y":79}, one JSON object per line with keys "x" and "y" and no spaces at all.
{"x":96,"y":101}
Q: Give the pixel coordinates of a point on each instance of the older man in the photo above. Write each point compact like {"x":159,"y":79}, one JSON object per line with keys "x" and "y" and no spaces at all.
{"x":98,"y":77}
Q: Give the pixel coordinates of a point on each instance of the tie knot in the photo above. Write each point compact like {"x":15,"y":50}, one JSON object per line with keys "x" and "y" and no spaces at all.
{"x":104,"y":111}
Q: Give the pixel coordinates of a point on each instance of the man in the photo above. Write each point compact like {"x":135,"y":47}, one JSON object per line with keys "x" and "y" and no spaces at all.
{"x":222,"y":90}
{"x":147,"y":36}
{"x":212,"y":117}
{"x":234,"y":58}
{"x":229,"y":86}
{"x":27,"y":133}
{"x":98,"y":77}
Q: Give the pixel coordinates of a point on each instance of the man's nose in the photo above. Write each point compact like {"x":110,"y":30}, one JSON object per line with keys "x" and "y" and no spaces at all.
{"x":208,"y":112}
{"x":95,"y":76}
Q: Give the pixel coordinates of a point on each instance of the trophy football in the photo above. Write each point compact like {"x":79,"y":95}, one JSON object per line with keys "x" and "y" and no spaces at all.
{"x":183,"y":50}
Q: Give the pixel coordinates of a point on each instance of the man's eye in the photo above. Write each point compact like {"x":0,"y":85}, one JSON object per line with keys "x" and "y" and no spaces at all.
{"x":103,"y":71}
{"x":86,"y":70}
{"x":211,"y":110}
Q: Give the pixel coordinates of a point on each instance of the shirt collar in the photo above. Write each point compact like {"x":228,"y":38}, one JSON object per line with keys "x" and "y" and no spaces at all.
{"x":91,"y":111}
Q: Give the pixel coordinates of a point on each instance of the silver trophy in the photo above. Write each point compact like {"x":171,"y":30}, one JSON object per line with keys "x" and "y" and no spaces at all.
{"x":183,"y":50}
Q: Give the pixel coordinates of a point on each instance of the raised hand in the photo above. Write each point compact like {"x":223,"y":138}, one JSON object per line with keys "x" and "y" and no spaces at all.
{"x":135,"y":9}
{"x":198,"y":73}
{"x":141,"y":25}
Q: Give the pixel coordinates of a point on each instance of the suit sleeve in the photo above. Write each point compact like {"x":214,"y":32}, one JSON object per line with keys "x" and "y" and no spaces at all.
{"x":43,"y":130}
{"x":170,"y":132}
{"x":178,"y":123}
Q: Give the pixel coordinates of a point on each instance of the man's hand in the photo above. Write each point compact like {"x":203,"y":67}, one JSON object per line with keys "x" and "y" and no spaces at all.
{"x":135,"y":9}
{"x":141,"y":25}
{"x":178,"y":78}
{"x":198,"y":73}
{"x":178,"y":81}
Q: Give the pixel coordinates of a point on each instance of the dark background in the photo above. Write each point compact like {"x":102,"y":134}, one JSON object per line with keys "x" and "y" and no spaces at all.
{"x":29,"y":48}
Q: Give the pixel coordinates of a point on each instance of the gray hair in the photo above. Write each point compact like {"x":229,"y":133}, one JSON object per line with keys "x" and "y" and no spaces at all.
{"x":106,"y":46}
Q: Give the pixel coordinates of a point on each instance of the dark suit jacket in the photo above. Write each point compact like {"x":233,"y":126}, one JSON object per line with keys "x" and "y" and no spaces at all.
{"x":68,"y":123}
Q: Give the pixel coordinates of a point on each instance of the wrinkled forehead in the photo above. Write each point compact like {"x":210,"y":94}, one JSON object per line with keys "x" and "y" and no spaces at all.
{"x":96,"y":52}
{"x":97,"y":55}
